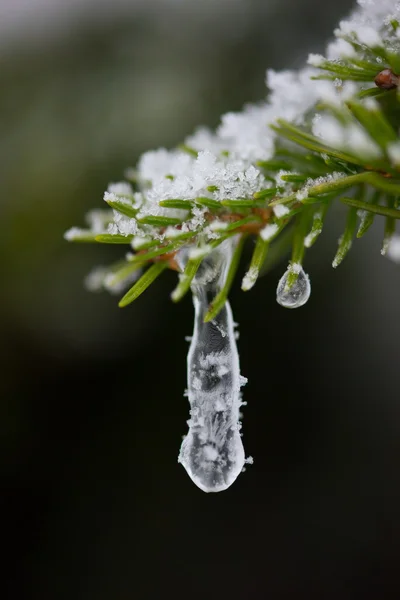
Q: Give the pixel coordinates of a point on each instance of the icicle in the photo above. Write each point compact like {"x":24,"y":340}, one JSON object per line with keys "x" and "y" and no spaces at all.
{"x":298,"y":293}
{"x":212,"y":451}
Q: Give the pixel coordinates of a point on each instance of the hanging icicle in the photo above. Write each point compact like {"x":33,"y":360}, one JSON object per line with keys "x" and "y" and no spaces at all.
{"x":212,"y":451}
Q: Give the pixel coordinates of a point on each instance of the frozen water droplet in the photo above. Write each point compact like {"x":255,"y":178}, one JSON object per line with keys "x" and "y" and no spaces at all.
{"x":212,"y":452}
{"x":298,"y":293}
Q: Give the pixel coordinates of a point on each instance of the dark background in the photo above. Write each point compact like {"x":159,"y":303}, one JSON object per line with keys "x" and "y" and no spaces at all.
{"x":93,"y":502}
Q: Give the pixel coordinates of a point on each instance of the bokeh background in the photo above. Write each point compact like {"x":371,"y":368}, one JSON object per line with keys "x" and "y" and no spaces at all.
{"x":93,"y":502}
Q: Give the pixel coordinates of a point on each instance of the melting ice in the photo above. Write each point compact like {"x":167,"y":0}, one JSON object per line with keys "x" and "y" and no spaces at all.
{"x":298,"y":293}
{"x":212,"y":451}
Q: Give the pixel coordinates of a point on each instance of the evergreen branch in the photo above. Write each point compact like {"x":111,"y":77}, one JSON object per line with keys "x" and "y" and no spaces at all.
{"x":260,"y":174}
{"x":348,"y":143}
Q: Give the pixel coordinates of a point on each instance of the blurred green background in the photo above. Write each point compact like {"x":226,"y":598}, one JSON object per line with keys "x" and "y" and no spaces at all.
{"x":92,"y":411}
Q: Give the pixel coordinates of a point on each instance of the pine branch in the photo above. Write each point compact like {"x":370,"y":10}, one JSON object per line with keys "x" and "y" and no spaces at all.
{"x":341,"y":147}
{"x":269,"y":175}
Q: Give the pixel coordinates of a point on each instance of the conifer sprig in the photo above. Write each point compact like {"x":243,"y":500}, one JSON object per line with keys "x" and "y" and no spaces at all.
{"x":333,"y":143}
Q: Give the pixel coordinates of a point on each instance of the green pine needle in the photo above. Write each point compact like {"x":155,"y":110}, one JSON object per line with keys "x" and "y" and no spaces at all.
{"x":177,"y":203}
{"x":243,"y":203}
{"x":123,"y":207}
{"x":209,"y":203}
{"x":274,"y":165}
{"x":361,"y":71}
{"x":298,"y":247}
{"x":346,"y":239}
{"x":249,"y":220}
{"x":377,"y":209}
{"x":158,"y":221}
{"x":317,"y":224}
{"x":143,"y":283}
{"x":145,"y":257}
{"x":367,"y":216}
{"x":84,"y":236}
{"x":295,"y":178}
{"x":219,"y":301}
{"x":267,"y":193}
{"x":118,"y":273}
{"x":186,"y":278}
{"x":375,"y":123}
{"x":306,"y":140}
{"x":191,"y":268}
{"x":188,"y":150}
{"x":257,"y":261}
{"x":108,"y":238}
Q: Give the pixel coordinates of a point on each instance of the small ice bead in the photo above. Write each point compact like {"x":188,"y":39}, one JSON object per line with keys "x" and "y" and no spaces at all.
{"x":298,"y":294}
{"x":393,"y":251}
